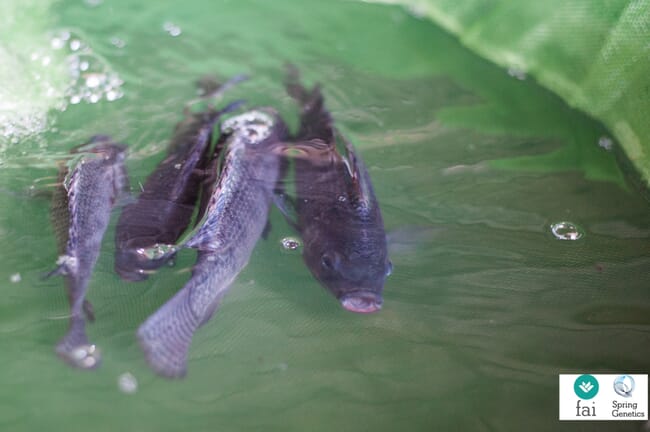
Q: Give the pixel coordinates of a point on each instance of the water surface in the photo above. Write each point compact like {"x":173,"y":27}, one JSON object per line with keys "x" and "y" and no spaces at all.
{"x":471,"y":165}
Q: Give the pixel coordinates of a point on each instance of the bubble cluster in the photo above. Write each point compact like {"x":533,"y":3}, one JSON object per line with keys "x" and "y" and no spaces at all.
{"x":566,"y":231}
{"x":91,"y":79}
{"x":85,"y":356}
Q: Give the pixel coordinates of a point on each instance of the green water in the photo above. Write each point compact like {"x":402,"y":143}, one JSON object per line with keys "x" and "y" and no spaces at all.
{"x":471,"y":166}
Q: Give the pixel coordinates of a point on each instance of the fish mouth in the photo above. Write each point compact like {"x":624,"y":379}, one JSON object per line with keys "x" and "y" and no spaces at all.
{"x":362,"y":302}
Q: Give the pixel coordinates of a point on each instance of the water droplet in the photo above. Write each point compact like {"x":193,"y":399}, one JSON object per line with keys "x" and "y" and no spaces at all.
{"x":45,"y":61}
{"x":606,"y":143}
{"x":291,"y":243}
{"x":75,"y":99}
{"x":342,"y":198}
{"x":15,"y":278}
{"x":85,"y":356}
{"x":566,"y":231}
{"x":172,"y":29}
{"x":515,"y":72}
{"x":177,"y":166}
{"x":127,"y":383}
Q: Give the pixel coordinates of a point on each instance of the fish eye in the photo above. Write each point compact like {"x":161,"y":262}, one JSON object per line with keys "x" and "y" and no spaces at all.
{"x":330,"y":261}
{"x":327,"y":262}
{"x":389,"y":268}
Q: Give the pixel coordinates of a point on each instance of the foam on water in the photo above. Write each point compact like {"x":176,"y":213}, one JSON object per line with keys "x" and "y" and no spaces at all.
{"x":45,"y":71}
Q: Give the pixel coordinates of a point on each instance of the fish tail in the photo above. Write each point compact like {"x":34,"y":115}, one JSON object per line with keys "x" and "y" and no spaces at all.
{"x":232,"y":106}
{"x":75,"y":349}
{"x":210,"y":88}
{"x":298,"y":91}
{"x":166,"y":335}
{"x":315,"y":121}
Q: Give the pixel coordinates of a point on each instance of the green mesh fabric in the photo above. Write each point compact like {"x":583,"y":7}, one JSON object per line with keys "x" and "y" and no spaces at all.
{"x":593,"y":53}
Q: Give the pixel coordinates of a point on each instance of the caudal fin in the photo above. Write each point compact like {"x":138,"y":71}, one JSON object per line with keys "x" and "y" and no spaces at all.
{"x":315,"y":121}
{"x":165,"y":336}
{"x":75,"y":349}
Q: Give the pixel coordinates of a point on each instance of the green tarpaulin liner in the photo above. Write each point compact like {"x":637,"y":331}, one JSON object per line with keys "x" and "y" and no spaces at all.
{"x":593,"y":53}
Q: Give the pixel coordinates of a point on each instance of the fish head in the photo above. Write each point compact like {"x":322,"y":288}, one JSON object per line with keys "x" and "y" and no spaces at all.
{"x":255,"y":128}
{"x":352,"y":267}
{"x":102,"y":146}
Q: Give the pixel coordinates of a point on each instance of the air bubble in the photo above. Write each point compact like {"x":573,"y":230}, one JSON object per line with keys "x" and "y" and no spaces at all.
{"x":517,"y":73}
{"x":605,"y":143}
{"x":566,"y":231}
{"x":117,"y":42}
{"x":172,"y":29}
{"x":127,"y":383}
{"x":15,"y":278}
{"x":85,"y":356}
{"x":75,"y":45}
{"x":291,"y":243}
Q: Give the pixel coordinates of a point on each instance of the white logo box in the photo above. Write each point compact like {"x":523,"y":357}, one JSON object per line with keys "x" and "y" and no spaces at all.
{"x":607,"y":404}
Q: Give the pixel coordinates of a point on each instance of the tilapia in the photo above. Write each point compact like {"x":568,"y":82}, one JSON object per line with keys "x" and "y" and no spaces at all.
{"x":335,"y":209}
{"x":164,"y":209}
{"x":234,"y":215}
{"x":91,"y":184}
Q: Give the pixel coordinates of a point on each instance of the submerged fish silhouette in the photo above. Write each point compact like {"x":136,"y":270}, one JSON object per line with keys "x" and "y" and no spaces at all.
{"x":233,"y":216}
{"x":164,"y":209}
{"x":81,"y":208}
{"x":335,"y":210}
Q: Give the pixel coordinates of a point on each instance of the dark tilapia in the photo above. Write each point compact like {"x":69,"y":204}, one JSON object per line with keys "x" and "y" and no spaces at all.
{"x":164,"y":209}
{"x":336,"y":211}
{"x":81,"y":210}
{"x":235,"y":212}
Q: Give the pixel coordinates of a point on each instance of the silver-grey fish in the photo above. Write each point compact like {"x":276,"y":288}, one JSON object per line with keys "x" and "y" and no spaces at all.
{"x":234,"y":215}
{"x":335,"y":210}
{"x":92,"y":182}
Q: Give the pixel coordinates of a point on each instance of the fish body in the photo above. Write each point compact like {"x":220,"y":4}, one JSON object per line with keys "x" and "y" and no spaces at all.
{"x":165,"y":207}
{"x":81,"y":210}
{"x":336,"y":211}
{"x":234,"y":214}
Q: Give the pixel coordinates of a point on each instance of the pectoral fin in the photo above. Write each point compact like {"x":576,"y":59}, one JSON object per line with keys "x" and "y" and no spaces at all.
{"x":287,"y":207}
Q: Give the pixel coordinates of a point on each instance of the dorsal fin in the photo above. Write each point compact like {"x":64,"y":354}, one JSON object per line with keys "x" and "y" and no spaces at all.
{"x":359,"y":188}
